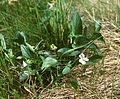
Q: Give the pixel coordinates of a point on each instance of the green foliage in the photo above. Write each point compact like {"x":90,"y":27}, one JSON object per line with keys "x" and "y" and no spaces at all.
{"x":2,"y":42}
{"x":67,"y":68}
{"x":57,"y":23}
{"x":25,"y":51}
{"x":76,"y":23}
{"x":20,"y":37}
{"x":26,"y":73}
{"x":74,"y":84}
{"x":58,"y":27}
{"x":49,"y":62}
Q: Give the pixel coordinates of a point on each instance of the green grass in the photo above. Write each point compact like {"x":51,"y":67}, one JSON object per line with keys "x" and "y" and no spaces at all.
{"x":22,"y":16}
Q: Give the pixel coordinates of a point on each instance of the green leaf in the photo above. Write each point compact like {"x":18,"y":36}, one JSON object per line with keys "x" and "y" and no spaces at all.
{"x":97,"y":26}
{"x":2,"y":42}
{"x":10,"y":53}
{"x":49,"y":62}
{"x":25,"y":51}
{"x":66,"y":70}
{"x":94,"y":59}
{"x":76,"y":22}
{"x":95,"y":48}
{"x":74,"y":84}
{"x":68,"y":52}
{"x":80,"y":41}
{"x":20,"y":37}
{"x":44,"y":53}
{"x":97,"y":36}
{"x":62,"y":50}
{"x":74,"y":53}
{"x":30,"y":47}
{"x":26,"y":73}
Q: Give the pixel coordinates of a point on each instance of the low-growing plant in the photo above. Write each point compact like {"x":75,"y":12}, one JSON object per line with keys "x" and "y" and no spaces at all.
{"x":67,"y":38}
{"x":36,"y":60}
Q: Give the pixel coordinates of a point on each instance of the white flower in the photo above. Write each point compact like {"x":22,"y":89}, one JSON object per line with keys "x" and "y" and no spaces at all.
{"x":83,"y":59}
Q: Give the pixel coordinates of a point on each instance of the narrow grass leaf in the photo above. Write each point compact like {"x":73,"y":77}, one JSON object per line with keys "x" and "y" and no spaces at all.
{"x":2,"y":42}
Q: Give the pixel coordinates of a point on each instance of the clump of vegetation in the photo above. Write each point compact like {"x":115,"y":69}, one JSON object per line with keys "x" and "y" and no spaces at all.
{"x":63,"y":38}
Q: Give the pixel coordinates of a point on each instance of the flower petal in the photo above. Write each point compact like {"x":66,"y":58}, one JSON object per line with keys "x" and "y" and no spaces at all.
{"x":82,"y":61}
{"x":85,"y":59}
{"x":81,"y":55}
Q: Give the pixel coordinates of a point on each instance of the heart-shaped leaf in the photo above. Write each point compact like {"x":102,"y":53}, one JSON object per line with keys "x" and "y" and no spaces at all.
{"x":49,"y":62}
{"x":25,"y":51}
